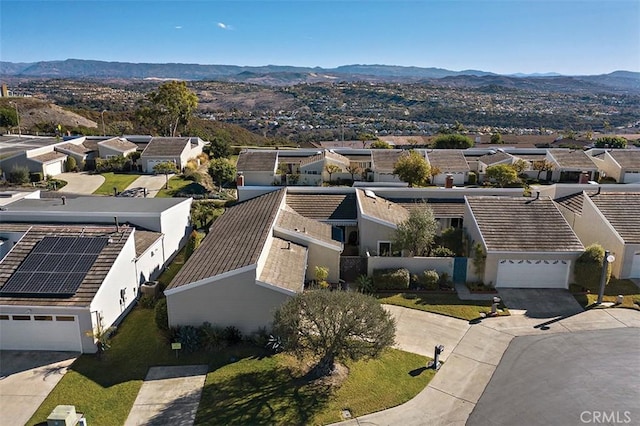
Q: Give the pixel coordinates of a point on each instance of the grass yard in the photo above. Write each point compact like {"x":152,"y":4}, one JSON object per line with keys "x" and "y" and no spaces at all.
{"x":118,"y":180}
{"x":176,"y":183}
{"x":443,"y":304}
{"x":627,"y":288}
{"x":271,"y":391}
{"x":176,"y":264}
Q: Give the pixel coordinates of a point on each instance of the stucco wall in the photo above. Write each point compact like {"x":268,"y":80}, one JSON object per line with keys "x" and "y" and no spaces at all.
{"x":415,"y":265}
{"x":370,"y":233}
{"x":236,"y":300}
{"x":175,"y":224}
{"x":151,"y":262}
{"x":258,"y":178}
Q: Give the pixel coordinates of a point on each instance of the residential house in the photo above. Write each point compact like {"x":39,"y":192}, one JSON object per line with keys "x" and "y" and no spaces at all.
{"x":383,"y":161}
{"x":611,"y":219}
{"x":175,"y":150}
{"x":116,"y":147}
{"x":494,"y":158}
{"x":378,"y":220}
{"x":572,"y":166}
{"x":449,"y":162}
{"x":527,"y":241}
{"x":258,"y":168}
{"x":623,"y":165}
{"x":44,"y":160}
{"x":316,"y":166}
{"x":257,"y":255}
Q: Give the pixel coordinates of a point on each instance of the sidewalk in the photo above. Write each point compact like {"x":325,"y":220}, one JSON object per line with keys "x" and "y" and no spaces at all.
{"x":453,"y":393}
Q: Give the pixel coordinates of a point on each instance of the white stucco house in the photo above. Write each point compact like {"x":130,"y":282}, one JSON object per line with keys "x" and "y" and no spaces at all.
{"x":175,"y":150}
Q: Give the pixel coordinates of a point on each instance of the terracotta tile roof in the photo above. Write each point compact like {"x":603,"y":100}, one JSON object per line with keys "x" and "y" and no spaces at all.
{"x":144,"y":240}
{"x":521,"y":224}
{"x":257,"y":161}
{"x":384,"y":160}
{"x":324,"y":206}
{"x":448,"y":160}
{"x":49,"y":156}
{"x":235,"y":239}
{"x":572,"y":159}
{"x":292,"y":221}
{"x":496,"y":158}
{"x":381,"y":209}
{"x":628,"y":159}
{"x":441,"y":208}
{"x":166,"y":147}
{"x":77,"y":149}
{"x":92,"y":280}
{"x":285,"y":266}
{"x":119,"y":144}
{"x":622,"y":210}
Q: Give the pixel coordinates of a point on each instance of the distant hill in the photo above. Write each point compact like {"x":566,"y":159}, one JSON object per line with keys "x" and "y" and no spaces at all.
{"x":277,"y":75}
{"x":34,"y":112}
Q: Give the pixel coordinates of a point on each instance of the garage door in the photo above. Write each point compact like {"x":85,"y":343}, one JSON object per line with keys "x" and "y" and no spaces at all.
{"x":631,"y":177}
{"x":152,"y":163}
{"x":635,"y":266}
{"x":53,"y":169}
{"x":533,"y":273}
{"x":40,"y":332}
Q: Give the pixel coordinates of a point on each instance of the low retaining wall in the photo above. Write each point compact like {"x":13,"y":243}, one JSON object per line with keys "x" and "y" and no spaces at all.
{"x":415,"y":265}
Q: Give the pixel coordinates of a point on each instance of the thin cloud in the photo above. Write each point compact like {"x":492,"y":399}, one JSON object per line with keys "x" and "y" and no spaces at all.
{"x":224,"y":26}
{"x":178,"y":27}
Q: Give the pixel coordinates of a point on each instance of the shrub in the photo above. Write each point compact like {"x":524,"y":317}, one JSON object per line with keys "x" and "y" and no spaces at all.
{"x":212,"y":337}
{"x":607,"y":179}
{"x":473,"y":178}
{"x":71,"y":165}
{"x":391,"y":279}
{"x":147,"y":301}
{"x":189,"y":336}
{"x":445,"y":280}
{"x":429,"y":279}
{"x":232,"y":335}
{"x":588,"y":268}
{"x":441,"y":251}
{"x":193,"y":243}
{"x":365,"y":284}
{"x":161,"y":315}
{"x":259,"y":338}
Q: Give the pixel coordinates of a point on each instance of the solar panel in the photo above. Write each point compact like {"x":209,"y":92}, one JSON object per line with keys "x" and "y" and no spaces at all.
{"x":55,"y":267}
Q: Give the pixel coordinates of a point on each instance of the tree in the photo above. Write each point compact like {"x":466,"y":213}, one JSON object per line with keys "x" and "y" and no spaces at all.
{"x":502,"y":174}
{"x":222,"y":171}
{"x":496,"y":138}
{"x":588,"y":268}
{"x":18,"y":175}
{"x":611,"y":142}
{"x":520,"y":166}
{"x":364,"y":137}
{"x":452,"y":141}
{"x":433,"y":172}
{"x":542,"y":166}
{"x":192,"y":243}
{"x":331,"y":169}
{"x":218,"y":148}
{"x":354,"y":169}
{"x":8,"y":117}
{"x":333,"y":326}
{"x":322,"y":273}
{"x":165,"y":167}
{"x":203,"y":214}
{"x":417,"y":232}
{"x":380,"y":144}
{"x":412,"y":168}
{"x":171,"y":106}
{"x":70,"y":164}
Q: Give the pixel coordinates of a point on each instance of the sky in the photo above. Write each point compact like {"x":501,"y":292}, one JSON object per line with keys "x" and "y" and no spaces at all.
{"x":572,"y":37}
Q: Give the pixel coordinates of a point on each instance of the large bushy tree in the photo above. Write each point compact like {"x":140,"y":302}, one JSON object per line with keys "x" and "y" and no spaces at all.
{"x":168,"y":108}
{"x":334,"y":326}
{"x":502,"y":174}
{"x":611,"y":142}
{"x":452,"y":141}
{"x":222,"y":171}
{"x":412,"y":168}
{"x":588,"y":268}
{"x":417,"y":232}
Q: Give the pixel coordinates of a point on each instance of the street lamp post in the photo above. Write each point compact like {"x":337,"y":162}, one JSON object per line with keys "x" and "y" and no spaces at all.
{"x":104,"y":132}
{"x":15,"y":105}
{"x":608,"y":258}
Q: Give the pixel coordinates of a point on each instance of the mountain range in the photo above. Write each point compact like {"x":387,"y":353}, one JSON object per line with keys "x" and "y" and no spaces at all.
{"x":277,"y":75}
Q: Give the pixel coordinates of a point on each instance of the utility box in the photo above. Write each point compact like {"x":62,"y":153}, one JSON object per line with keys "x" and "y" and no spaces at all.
{"x":63,"y":415}
{"x":150,"y":288}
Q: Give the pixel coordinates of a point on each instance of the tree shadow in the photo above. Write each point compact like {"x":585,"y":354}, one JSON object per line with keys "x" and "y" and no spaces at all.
{"x":274,"y":396}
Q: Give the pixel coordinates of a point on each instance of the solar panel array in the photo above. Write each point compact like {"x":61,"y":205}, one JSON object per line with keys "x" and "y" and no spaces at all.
{"x":55,"y":267}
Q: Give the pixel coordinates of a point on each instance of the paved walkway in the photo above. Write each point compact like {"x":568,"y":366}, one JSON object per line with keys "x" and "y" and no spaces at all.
{"x":453,"y":393}
{"x":169,"y":396}
{"x":80,"y":183}
{"x":153,"y":183}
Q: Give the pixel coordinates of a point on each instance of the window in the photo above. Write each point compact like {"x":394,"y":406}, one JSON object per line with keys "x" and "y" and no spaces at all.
{"x":43,"y":317}
{"x":65,"y":318}
{"x":384,"y":248}
{"x":456,"y":222}
{"x":22,"y":317}
{"x":4,"y":317}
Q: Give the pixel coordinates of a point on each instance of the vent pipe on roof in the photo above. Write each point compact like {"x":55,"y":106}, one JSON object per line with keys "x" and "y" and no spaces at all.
{"x":64,"y":200}
{"x":288,"y":245}
{"x":599,"y":189}
{"x":537,"y":195}
{"x":115,"y":218}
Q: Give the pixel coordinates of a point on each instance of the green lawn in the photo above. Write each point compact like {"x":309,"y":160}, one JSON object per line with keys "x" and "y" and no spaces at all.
{"x":444,"y":304}
{"x":271,"y":390}
{"x":118,"y":180}
{"x":615,"y":287}
{"x":176,"y":264}
{"x":176,"y":183}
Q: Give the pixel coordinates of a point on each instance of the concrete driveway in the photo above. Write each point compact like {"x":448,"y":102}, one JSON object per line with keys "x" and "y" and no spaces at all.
{"x":80,"y":183}
{"x":26,"y":378}
{"x":153,"y":183}
{"x":539,"y":303}
{"x":565,"y":379}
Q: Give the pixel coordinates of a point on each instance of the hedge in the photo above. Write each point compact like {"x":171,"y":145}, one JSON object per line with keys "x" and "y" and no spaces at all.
{"x":391,"y":279}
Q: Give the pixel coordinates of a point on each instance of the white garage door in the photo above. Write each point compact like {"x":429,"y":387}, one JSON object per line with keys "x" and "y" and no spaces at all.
{"x":53,"y":169}
{"x":635,"y":266}
{"x":40,"y":332}
{"x":533,"y":273}
{"x":152,"y":163}
{"x":631,"y":177}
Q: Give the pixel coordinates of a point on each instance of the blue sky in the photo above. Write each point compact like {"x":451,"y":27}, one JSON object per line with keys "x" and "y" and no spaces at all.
{"x":503,"y":36}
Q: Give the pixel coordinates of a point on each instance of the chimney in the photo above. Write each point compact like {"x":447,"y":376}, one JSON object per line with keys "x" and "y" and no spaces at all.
{"x":584,"y":178}
{"x":448,"y":182}
{"x":115,"y":218}
{"x":537,"y":195}
{"x":240,"y":180}
{"x":64,"y":200}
